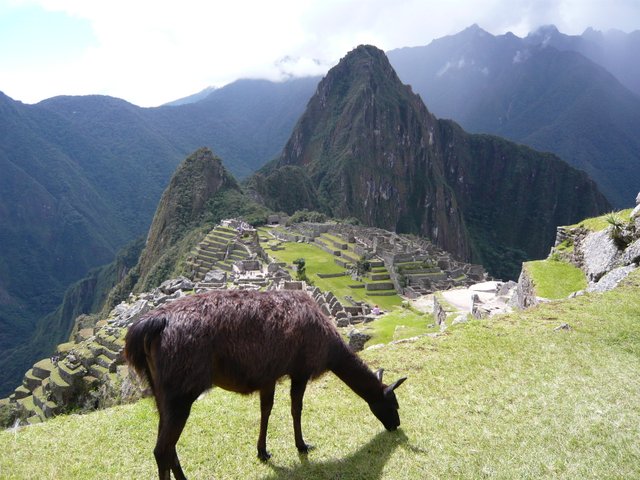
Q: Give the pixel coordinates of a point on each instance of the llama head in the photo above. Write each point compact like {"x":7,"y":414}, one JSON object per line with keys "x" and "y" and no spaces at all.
{"x":386,"y":409}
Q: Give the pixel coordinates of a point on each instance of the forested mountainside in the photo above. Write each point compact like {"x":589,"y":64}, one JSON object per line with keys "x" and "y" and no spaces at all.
{"x":82,"y":176}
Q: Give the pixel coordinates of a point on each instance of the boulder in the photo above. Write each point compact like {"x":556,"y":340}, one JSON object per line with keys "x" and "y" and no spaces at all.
{"x":181,"y":283}
{"x":525,"y":296}
{"x":357,"y":340}
{"x":611,"y":279}
{"x":632,"y":253}
{"x":132,"y":313}
{"x":460,"y":319}
{"x":439,"y":314}
{"x":216,"y":276}
{"x":600,"y":254}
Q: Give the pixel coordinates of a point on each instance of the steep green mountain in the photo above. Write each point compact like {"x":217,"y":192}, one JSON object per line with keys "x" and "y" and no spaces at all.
{"x":200,"y":194}
{"x":198,"y":178}
{"x":82,"y":176}
{"x":530,"y":92}
{"x":59,"y":216}
{"x":367,"y":147}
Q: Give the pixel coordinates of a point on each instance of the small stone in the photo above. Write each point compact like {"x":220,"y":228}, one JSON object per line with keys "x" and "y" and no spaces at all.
{"x":564,"y":326}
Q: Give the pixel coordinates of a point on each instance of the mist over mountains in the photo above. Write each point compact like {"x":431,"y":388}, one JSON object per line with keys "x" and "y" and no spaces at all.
{"x":552,"y":99}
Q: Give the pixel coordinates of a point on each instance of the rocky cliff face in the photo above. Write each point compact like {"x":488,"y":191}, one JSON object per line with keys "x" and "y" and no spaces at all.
{"x":513,"y":197}
{"x":370,"y":149}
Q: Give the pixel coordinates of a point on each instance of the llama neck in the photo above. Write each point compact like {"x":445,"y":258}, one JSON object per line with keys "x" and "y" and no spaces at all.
{"x":349,"y":368}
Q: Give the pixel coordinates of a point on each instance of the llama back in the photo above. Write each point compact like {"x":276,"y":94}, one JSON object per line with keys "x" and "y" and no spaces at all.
{"x":241,"y":340}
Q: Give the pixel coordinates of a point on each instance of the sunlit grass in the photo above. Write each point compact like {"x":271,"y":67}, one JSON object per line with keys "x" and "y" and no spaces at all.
{"x":555,"y":279}
{"x":600,"y":223}
{"x":398,"y":324}
{"x":507,"y":397}
{"x":319,"y":261}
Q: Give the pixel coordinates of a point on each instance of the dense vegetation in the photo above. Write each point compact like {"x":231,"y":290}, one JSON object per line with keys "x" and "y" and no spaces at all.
{"x":507,"y":397}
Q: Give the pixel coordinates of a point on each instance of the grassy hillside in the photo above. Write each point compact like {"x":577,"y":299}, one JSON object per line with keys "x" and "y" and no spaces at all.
{"x":509,"y":397}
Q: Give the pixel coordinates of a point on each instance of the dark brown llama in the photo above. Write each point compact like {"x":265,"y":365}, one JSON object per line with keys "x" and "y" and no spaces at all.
{"x":243,"y":342}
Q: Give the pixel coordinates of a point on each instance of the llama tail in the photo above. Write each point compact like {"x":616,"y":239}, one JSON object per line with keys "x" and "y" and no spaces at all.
{"x":137,"y":346}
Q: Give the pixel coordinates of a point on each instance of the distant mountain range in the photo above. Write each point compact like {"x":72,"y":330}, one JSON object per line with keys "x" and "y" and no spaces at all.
{"x":552,"y":99}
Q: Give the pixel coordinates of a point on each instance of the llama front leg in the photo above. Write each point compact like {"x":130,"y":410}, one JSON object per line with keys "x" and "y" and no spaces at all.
{"x":298,"y":387}
{"x":266,"y":404}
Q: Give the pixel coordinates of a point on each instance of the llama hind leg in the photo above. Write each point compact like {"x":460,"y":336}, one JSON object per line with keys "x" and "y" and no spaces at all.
{"x":172,"y":422}
{"x":266,"y":404}
{"x":298,"y":387}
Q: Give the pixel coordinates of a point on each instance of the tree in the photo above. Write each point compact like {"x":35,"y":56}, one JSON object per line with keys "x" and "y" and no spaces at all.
{"x":301,"y":269}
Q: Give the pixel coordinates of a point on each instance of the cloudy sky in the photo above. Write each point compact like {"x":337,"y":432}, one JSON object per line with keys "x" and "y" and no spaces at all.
{"x":153,"y":51}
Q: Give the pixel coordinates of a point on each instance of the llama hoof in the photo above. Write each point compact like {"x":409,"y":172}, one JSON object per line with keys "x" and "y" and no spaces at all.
{"x":264,"y":456}
{"x":305,"y":448}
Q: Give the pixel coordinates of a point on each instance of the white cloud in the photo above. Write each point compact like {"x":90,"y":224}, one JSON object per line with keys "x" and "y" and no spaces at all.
{"x":150,"y":52}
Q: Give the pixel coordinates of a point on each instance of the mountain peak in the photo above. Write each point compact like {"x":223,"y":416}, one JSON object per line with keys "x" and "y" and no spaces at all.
{"x":474,"y":30}
{"x":369,"y":147}
{"x":543,"y":34}
{"x":362,"y":57}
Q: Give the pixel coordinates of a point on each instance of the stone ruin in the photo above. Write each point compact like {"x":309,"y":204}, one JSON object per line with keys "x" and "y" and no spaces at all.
{"x":231,"y":256}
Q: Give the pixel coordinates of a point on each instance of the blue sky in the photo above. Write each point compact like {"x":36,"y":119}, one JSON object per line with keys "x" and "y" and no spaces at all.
{"x":151,"y":52}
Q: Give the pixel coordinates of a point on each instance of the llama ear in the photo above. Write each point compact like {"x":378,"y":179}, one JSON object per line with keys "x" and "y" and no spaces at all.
{"x":394,"y":385}
{"x":379,"y":373}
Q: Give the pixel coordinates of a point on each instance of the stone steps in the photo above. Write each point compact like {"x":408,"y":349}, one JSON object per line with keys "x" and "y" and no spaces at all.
{"x":335,"y":242}
{"x":104,"y":361}
{"x":381,"y":293}
{"x":33,"y":411}
{"x":98,"y":371}
{"x":213,"y":255}
{"x":43,"y":368}
{"x":374,"y":277}
{"x":213,"y":243}
{"x":21,"y":392}
{"x":30,"y":381}
{"x":48,"y":407}
{"x":379,"y":286}
{"x":68,"y":374}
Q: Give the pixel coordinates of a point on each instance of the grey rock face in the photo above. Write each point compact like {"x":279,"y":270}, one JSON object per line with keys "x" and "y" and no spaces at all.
{"x":600,"y":254}
{"x":611,"y":279}
{"x":171,"y":286}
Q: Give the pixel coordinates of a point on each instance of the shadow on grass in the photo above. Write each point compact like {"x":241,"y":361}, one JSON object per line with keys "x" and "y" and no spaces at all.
{"x":367,"y":462}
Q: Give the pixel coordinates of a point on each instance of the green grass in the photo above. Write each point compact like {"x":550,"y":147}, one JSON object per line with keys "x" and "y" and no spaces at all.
{"x":555,"y":279}
{"x":509,"y":398}
{"x":398,"y":324}
{"x":319,"y":261}
{"x":600,"y":223}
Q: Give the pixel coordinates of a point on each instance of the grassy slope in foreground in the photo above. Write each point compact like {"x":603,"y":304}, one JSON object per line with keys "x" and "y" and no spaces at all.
{"x":508,"y":397}
{"x":555,"y":279}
